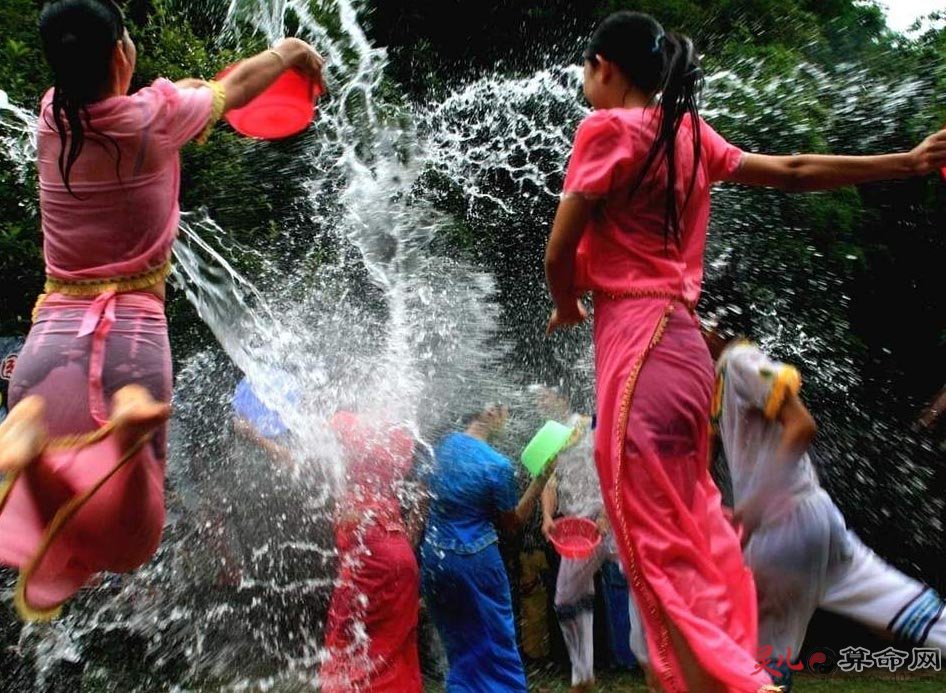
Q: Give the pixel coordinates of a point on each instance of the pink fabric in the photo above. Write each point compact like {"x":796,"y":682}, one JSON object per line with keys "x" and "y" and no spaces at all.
{"x":682,"y":555}
{"x":623,"y":246}
{"x":653,"y":391}
{"x":127,"y":180}
{"x":120,"y":527}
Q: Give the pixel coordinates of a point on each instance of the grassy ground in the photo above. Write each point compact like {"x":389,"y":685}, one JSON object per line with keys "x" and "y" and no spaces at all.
{"x":633,"y":683}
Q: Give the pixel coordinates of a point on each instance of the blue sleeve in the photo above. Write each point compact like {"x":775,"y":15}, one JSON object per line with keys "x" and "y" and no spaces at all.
{"x":506,"y":494}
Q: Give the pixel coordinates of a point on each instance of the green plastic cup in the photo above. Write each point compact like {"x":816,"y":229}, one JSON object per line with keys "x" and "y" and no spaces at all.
{"x":545,"y":445}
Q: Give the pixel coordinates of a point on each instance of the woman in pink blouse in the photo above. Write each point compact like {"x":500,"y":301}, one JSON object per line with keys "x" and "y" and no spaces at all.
{"x":84,"y":446}
{"x":631,"y":228}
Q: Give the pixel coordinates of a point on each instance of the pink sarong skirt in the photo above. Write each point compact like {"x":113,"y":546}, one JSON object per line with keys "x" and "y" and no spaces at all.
{"x":82,"y":507}
{"x":654,"y":379}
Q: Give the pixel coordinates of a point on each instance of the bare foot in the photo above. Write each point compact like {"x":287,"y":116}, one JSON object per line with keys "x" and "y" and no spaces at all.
{"x":22,"y":434}
{"x":135,"y":414}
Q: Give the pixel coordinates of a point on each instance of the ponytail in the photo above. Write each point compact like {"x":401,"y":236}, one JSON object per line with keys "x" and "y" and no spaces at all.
{"x":680,"y":87}
{"x":665,"y":64}
{"x":78,"y":38}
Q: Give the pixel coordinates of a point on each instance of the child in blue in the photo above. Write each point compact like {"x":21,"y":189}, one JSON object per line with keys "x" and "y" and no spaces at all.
{"x":473,"y":491}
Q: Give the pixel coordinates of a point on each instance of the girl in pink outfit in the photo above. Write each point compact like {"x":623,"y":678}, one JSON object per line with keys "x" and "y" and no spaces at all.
{"x":83,"y":448}
{"x":630,"y":228}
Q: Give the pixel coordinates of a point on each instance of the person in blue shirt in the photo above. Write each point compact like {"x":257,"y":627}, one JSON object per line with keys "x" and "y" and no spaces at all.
{"x":260,"y":424}
{"x":473,"y":491}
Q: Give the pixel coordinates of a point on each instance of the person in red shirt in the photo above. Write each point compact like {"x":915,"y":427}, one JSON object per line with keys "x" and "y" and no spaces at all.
{"x":371,"y":631}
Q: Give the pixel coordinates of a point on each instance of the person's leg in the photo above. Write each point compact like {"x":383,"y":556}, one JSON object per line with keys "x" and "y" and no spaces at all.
{"x":495,"y":656}
{"x":695,"y":595}
{"x":574,"y":607}
{"x":22,"y":434}
{"x":789,"y":560}
{"x":867,"y":589}
{"x":468,"y":596}
{"x":94,"y":499}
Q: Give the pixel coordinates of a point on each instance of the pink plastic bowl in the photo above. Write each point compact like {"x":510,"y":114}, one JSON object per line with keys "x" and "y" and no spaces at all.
{"x":286,"y":108}
{"x":575,"y":537}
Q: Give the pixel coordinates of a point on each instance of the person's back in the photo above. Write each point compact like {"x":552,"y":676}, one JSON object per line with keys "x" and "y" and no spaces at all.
{"x":625,"y":248}
{"x":796,"y":541}
{"x":577,"y":486}
{"x":464,"y":580}
{"x":118,"y":216}
{"x":471,"y":484}
{"x":653,"y":374}
{"x":749,"y":394}
{"x":91,"y":396}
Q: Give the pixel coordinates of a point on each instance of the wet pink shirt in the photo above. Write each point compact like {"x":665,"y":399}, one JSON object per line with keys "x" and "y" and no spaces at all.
{"x":622,"y":249}
{"x":126,"y":216}
{"x":377,"y":457}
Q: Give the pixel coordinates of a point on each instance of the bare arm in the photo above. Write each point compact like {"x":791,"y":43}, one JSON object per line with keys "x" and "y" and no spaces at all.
{"x":512,"y":521}
{"x":251,"y":77}
{"x":549,"y":505}
{"x":932,"y":413}
{"x":798,"y":432}
{"x":277,"y":452}
{"x":570,"y":219}
{"x":809,"y":172}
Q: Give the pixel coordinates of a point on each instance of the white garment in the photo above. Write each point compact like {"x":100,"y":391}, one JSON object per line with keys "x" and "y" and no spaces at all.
{"x":809,"y":560}
{"x":638,"y":640}
{"x":575,"y":608}
{"x":579,"y":495}
{"x":577,"y":485}
{"x":750,"y":390}
{"x":802,"y":554}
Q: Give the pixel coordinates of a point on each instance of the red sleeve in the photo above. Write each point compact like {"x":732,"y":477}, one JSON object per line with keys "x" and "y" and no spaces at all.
{"x":722,"y":158}
{"x":602,"y":154}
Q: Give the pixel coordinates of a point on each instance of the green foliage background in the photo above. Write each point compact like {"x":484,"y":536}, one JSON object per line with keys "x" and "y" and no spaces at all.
{"x":881,"y":245}
{"x":896,"y":309}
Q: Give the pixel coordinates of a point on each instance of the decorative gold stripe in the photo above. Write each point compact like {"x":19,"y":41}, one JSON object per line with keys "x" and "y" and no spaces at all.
{"x":716,"y":407}
{"x":652,"y":293}
{"x":640,"y":586}
{"x":787,"y":381}
{"x":36,"y":306}
{"x":65,"y":513}
{"x":719,"y":390}
{"x":94,"y":287}
{"x":79,"y":440}
{"x":216,"y":110}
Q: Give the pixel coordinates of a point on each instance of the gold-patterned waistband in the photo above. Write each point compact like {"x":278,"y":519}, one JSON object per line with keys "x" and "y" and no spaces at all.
{"x":94,"y":287}
{"x":650,"y":293}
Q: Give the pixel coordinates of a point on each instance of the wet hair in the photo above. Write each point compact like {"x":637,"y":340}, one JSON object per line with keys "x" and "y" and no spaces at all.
{"x":481,"y":413}
{"x":538,"y":391}
{"x":657,"y":62}
{"x":78,"y":38}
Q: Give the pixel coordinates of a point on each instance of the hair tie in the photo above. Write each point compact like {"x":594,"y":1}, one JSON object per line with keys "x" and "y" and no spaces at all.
{"x":658,"y":43}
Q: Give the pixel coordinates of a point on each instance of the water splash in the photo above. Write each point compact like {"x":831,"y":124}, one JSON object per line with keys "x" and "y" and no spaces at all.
{"x":421,"y":294}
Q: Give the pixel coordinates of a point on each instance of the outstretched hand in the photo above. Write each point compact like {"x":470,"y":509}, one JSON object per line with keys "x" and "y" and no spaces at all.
{"x":304,"y":58}
{"x":930,"y":154}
